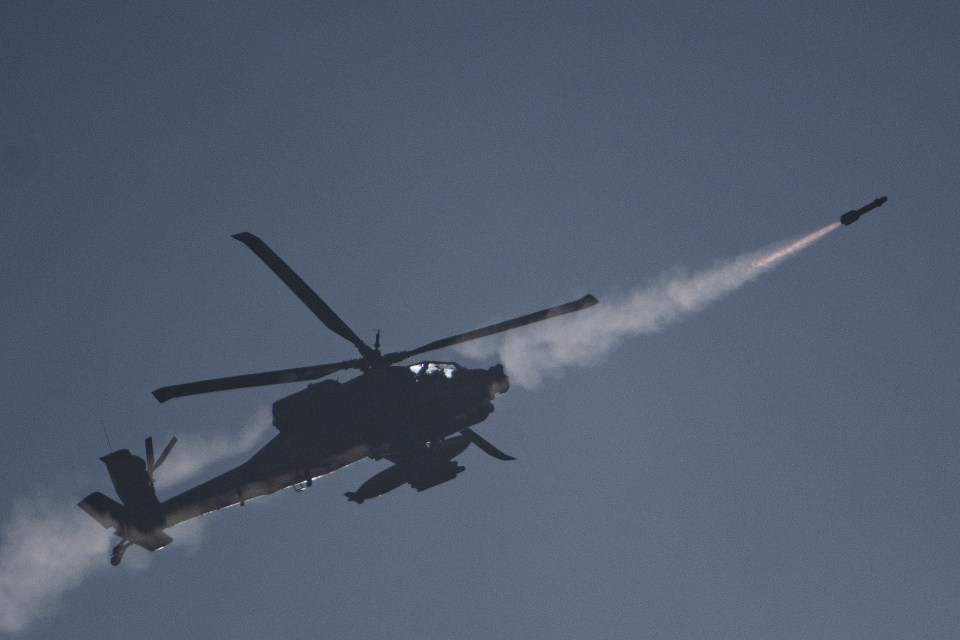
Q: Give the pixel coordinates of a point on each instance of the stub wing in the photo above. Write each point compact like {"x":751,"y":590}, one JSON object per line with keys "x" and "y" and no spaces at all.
{"x":108,"y":512}
{"x":421,"y":468}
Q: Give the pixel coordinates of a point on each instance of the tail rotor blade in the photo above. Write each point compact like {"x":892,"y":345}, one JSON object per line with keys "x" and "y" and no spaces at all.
{"x":148,"y":444}
{"x":166,"y":452}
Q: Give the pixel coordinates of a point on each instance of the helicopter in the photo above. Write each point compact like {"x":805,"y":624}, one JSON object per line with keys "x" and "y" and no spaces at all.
{"x":418,"y":417}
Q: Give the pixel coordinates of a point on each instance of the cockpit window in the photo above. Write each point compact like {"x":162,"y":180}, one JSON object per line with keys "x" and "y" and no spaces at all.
{"x":446,"y":369}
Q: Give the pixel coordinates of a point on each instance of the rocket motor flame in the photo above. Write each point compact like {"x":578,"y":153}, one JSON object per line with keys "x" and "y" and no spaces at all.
{"x":584,"y":338}
{"x":780,"y":254}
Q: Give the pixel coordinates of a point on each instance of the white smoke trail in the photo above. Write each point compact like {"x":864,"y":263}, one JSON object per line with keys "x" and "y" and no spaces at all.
{"x":46,"y":548}
{"x":192,"y":454}
{"x":584,"y":338}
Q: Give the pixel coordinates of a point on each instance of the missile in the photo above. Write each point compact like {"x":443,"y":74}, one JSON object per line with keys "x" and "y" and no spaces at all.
{"x":852,"y":216}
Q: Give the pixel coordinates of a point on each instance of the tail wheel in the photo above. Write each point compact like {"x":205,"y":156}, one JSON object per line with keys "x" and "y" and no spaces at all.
{"x":118,"y":550}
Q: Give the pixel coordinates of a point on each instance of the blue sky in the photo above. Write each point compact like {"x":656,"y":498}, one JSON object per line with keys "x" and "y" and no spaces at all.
{"x":781,"y":463}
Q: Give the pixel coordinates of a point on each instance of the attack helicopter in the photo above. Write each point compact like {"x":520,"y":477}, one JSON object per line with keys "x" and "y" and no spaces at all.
{"x":418,"y":417}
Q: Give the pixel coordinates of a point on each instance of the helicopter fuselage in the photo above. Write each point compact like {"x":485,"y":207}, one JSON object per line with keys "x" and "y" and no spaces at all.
{"x":385,"y":412}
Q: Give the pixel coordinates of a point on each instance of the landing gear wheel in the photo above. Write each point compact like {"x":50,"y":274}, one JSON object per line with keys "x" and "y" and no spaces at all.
{"x":118,"y":550}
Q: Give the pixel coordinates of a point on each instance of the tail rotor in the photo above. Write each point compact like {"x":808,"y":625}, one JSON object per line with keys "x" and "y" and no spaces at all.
{"x":153,"y":465}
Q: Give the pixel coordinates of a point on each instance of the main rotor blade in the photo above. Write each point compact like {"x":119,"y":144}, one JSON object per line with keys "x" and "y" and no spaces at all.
{"x":303,"y":291}
{"x":485,"y":446}
{"x":537,"y":316}
{"x":280,"y":376}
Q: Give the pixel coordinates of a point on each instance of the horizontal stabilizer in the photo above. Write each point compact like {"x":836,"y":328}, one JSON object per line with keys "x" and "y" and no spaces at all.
{"x":149,"y":540}
{"x":112,"y":515}
{"x":108,"y":512}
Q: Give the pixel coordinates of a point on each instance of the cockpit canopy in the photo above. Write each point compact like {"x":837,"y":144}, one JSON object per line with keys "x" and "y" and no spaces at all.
{"x":445,"y":369}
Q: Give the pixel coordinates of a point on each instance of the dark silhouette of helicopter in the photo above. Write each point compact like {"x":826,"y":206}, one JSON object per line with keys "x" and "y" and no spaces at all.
{"x":418,"y":417}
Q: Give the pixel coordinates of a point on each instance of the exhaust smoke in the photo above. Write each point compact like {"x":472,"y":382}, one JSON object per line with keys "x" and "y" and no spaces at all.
{"x":49,"y":547}
{"x":197,"y":452}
